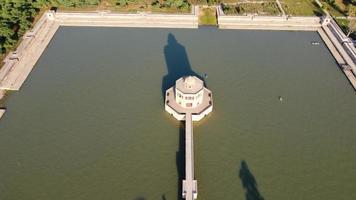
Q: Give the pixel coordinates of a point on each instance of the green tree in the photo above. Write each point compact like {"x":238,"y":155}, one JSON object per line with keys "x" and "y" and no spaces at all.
{"x":16,"y":16}
{"x":177,"y":3}
{"x":351,"y":27}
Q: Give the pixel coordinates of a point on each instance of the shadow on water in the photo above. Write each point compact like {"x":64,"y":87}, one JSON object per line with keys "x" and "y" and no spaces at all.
{"x":177,"y":63}
{"x":180,"y":161}
{"x":249,"y":183}
{"x":164,"y":197}
{"x":143,"y":198}
{"x":140,"y":198}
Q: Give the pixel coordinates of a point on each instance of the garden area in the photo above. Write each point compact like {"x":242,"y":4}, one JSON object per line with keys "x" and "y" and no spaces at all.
{"x":301,"y":7}
{"x":258,"y":8}
{"x":165,"y":6}
{"x":339,"y":8}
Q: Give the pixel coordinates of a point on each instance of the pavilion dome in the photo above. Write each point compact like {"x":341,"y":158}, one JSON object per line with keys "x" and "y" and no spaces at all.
{"x":189,"y":84}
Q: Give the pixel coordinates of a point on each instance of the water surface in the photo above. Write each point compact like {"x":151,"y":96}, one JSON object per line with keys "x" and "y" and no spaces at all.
{"x":89,"y":122}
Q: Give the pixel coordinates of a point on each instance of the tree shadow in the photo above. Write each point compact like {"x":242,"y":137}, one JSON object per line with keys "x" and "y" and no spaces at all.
{"x":348,"y":2}
{"x":249,"y":183}
{"x":318,"y":11}
{"x":177,"y":63}
{"x":180,"y":160}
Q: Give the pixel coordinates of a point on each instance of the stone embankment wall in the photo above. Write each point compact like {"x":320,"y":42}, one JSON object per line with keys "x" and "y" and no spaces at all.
{"x":347,"y":43}
{"x":129,"y":20}
{"x":341,"y":47}
{"x":18,"y":64}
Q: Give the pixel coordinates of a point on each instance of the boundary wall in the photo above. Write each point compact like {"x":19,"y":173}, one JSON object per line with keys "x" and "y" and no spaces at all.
{"x":18,"y":64}
{"x":341,"y":47}
{"x":129,"y":20}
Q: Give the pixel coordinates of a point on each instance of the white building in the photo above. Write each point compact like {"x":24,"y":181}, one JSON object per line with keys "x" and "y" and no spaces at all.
{"x":189,"y":91}
{"x":189,"y":96}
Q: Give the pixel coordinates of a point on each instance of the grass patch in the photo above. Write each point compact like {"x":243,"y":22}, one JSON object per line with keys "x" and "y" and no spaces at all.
{"x":340,"y":7}
{"x":301,"y":8}
{"x":264,"y":8}
{"x":343,"y":23}
{"x":133,"y":6}
{"x":334,"y":9}
{"x":207,"y":16}
{"x":341,"y":4}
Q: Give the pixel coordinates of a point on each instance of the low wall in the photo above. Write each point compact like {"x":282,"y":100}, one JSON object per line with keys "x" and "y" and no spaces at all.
{"x":128,"y":20}
{"x":341,"y":48}
{"x":346,"y":42}
{"x":18,"y":64}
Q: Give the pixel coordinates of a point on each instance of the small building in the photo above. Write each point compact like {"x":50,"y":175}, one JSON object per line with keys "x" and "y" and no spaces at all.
{"x":189,"y":96}
{"x":189,"y":91}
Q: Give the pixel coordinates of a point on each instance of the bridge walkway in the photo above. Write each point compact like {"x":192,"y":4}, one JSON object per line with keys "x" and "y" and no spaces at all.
{"x":190,"y":191}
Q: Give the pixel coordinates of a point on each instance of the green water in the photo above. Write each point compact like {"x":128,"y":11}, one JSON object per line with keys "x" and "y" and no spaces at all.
{"x":89,"y":122}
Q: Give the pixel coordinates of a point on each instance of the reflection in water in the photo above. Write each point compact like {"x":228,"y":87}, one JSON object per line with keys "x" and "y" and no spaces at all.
{"x":249,"y":183}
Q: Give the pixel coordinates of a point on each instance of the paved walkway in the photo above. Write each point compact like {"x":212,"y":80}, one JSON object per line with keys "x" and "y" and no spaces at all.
{"x":19,"y":64}
{"x":280,"y":7}
{"x":340,"y":55}
{"x":129,"y":20}
{"x":189,"y":184}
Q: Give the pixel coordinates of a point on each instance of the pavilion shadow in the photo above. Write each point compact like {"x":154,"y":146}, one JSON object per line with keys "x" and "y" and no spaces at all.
{"x":177,"y":63}
{"x":249,"y":183}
